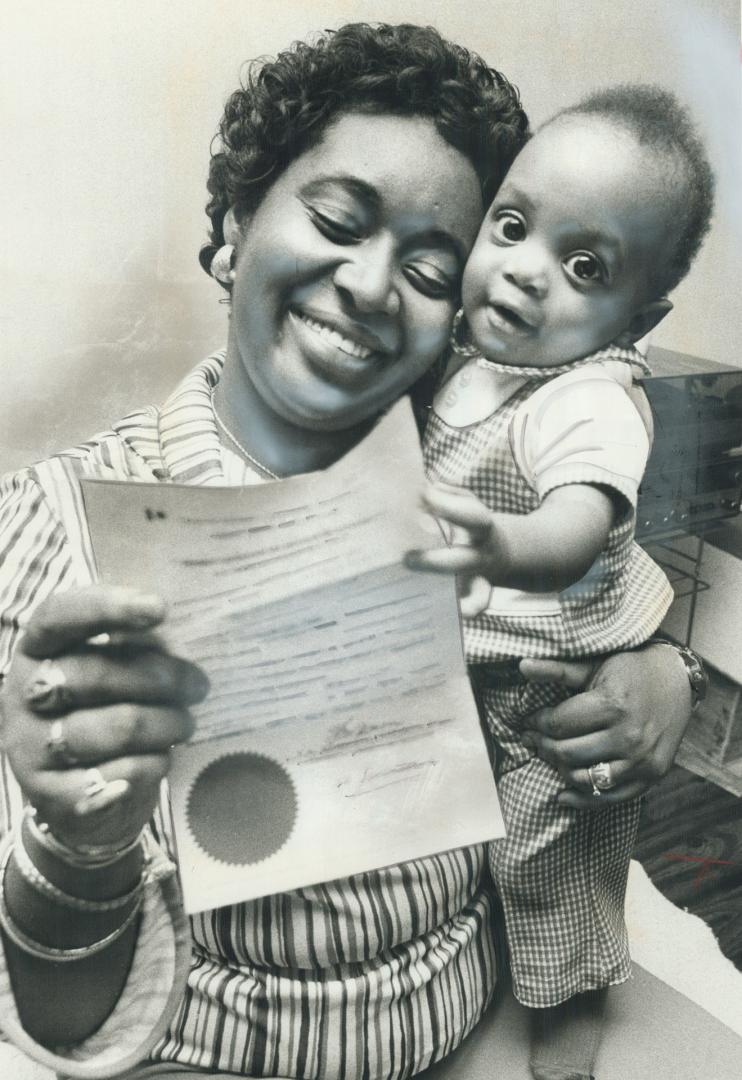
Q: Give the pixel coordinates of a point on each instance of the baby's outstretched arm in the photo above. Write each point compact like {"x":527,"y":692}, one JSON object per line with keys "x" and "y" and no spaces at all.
{"x":544,"y":551}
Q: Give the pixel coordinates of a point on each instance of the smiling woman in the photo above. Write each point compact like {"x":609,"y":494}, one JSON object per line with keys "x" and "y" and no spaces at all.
{"x":345,"y":194}
{"x":346,"y":191}
{"x":344,"y":287}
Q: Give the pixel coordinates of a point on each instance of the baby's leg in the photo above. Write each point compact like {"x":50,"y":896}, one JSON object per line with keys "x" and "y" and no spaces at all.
{"x":565,"y":1039}
{"x":561,"y":875}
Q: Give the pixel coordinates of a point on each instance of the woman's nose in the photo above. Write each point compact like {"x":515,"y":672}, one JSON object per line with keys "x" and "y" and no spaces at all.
{"x":366,"y":277}
{"x":526,"y":268}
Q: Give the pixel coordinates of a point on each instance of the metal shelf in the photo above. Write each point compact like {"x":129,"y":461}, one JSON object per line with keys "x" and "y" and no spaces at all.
{"x":683,"y":572}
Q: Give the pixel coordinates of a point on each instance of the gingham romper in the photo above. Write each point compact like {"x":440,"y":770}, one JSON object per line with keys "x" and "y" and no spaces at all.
{"x":561,"y":873}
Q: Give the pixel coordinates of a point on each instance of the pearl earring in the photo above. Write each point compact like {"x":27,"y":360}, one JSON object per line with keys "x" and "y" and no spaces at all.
{"x":222,"y":265}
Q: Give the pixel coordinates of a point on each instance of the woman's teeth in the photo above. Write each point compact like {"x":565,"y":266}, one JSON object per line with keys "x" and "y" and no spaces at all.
{"x":353,"y":348}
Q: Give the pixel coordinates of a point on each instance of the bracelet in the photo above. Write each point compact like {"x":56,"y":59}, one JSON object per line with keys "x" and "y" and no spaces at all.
{"x":156,"y":865}
{"x":40,"y":884}
{"x":85,"y":857}
{"x":47,"y":952}
{"x":694,"y":668}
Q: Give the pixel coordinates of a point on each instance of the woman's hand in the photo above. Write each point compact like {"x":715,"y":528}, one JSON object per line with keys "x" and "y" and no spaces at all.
{"x":125,"y":704}
{"x":632,"y":714}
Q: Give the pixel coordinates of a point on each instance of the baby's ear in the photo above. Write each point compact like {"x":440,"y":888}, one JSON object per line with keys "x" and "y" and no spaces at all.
{"x":644,"y":320}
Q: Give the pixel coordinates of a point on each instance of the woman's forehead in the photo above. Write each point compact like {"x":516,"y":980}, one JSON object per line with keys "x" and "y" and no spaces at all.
{"x":402,"y":163}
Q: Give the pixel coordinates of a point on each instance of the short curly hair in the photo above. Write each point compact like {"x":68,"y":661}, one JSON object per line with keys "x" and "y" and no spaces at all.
{"x":657,"y":120}
{"x":284,"y":106}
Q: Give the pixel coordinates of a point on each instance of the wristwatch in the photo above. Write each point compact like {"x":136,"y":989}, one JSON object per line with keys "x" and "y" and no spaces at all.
{"x":697,"y":677}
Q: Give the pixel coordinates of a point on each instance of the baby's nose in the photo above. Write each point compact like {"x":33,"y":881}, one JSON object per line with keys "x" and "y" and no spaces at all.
{"x":526,"y":268}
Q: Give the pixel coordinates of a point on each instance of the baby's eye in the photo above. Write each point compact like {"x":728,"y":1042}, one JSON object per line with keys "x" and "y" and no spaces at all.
{"x":336,"y":226}
{"x":584,"y":266}
{"x":509,"y":227}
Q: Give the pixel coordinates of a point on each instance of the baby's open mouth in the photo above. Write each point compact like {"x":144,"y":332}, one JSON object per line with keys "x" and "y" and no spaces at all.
{"x":512,"y":318}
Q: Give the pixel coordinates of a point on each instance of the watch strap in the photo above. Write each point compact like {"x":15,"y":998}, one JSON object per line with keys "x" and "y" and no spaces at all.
{"x":695,"y":670}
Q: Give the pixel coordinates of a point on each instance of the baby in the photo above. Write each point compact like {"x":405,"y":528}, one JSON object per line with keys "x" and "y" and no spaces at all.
{"x":536,"y":446}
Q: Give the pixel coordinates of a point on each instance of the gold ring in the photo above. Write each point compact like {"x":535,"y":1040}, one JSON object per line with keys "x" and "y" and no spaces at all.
{"x":100,"y":793}
{"x":601,"y":778}
{"x":57,"y":746}
{"x":48,"y":691}
{"x":95,"y":783}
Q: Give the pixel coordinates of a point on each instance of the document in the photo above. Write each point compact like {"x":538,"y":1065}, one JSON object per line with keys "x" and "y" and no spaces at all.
{"x":340,"y":733}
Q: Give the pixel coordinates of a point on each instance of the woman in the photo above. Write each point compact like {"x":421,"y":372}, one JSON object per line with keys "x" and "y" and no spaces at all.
{"x":345,"y":198}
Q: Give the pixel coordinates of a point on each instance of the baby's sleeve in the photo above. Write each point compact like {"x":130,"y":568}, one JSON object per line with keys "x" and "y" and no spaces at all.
{"x":582,"y":428}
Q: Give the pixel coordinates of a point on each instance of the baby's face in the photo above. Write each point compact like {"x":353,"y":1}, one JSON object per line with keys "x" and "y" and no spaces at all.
{"x":564,"y":258}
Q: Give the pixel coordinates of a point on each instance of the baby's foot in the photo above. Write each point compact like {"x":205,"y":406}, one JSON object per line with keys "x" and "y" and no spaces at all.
{"x":565,"y":1038}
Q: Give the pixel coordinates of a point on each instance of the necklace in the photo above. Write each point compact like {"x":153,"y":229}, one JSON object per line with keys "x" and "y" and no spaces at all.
{"x":625,"y":356}
{"x":462,"y":347}
{"x":263,"y":469}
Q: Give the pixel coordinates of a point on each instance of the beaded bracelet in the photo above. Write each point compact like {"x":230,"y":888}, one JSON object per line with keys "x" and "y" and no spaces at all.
{"x":40,"y":884}
{"x":82,"y":858}
{"x":48,"y":952}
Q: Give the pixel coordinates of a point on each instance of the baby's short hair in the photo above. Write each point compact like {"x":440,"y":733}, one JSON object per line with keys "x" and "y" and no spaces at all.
{"x":657,"y":120}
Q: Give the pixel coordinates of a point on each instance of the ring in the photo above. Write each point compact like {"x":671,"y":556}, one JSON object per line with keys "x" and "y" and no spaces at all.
{"x":56,"y":744}
{"x":600,"y":778}
{"x":48,"y":691}
{"x":99,"y":793}
{"x":95,"y":783}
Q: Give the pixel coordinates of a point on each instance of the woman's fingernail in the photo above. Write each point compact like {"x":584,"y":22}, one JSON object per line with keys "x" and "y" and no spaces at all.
{"x":197,"y":685}
{"x":147,"y":608}
{"x":144,"y":608}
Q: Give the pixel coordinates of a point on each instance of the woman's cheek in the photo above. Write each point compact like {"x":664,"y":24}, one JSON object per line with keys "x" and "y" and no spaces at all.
{"x":433,"y":330}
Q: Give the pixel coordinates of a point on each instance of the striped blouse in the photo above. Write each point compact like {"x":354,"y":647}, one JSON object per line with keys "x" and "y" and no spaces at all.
{"x":373,"y":977}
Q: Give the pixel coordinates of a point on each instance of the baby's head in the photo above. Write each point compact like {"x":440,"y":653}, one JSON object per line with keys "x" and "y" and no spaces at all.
{"x":597,"y":220}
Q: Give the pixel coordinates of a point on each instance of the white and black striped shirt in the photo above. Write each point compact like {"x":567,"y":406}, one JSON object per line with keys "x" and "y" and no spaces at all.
{"x":370,"y":978}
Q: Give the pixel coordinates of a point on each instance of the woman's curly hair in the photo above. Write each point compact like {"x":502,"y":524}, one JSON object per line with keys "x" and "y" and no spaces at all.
{"x":285,"y":105}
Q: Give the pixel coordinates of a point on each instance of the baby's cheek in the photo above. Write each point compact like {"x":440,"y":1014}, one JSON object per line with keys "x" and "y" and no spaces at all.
{"x":476,"y":275}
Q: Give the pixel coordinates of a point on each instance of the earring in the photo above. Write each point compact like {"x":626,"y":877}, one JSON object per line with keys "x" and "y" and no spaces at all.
{"x":459,"y":335}
{"x":222,"y":265}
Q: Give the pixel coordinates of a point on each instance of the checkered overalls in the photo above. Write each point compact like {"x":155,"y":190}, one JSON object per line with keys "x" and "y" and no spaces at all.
{"x":561,"y":873}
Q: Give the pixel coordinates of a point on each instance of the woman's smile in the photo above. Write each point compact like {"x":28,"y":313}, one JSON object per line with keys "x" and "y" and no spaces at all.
{"x":344,"y":288}
{"x":350,"y":356}
{"x":355,"y":340}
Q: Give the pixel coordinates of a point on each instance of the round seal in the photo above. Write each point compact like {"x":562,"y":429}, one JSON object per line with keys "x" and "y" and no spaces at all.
{"x":242,"y":808}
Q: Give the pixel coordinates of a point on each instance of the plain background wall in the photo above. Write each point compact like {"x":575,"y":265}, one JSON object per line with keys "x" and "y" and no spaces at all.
{"x":107,"y":113}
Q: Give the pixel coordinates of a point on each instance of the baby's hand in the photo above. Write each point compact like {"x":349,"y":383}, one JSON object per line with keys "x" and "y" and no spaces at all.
{"x":474,"y":545}
{"x":474,"y":595}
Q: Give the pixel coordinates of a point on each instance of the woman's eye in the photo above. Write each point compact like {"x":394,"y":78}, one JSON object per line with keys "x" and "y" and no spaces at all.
{"x":430,"y":280}
{"x":338,"y":229}
{"x":585,"y":267}
{"x":509,"y":228}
